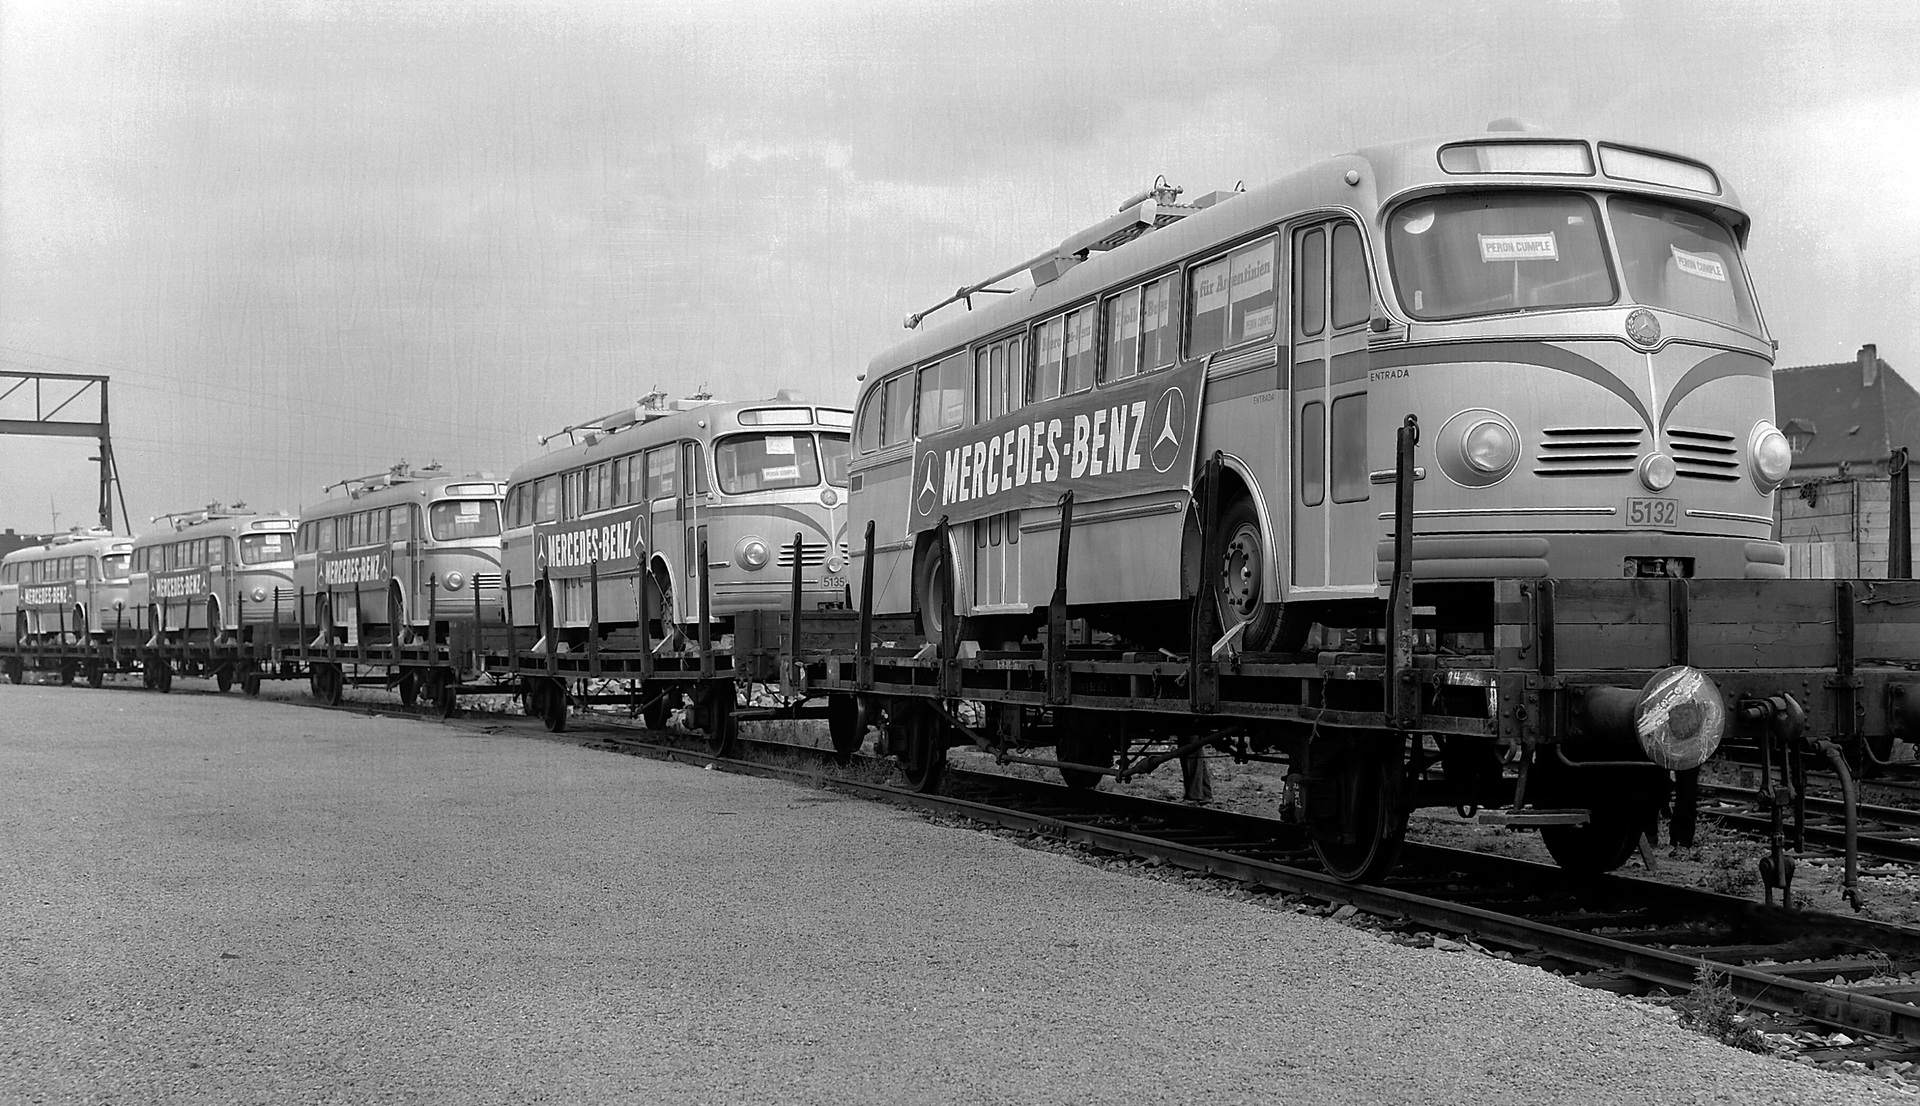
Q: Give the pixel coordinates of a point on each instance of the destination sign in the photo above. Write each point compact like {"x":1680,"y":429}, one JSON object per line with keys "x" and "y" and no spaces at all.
{"x":180,"y":585}
{"x":1128,"y":439}
{"x":46,"y":595}
{"x":347,"y":570}
{"x":609,"y":543}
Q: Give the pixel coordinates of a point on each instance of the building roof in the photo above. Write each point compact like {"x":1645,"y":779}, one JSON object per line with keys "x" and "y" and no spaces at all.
{"x":1854,"y":421}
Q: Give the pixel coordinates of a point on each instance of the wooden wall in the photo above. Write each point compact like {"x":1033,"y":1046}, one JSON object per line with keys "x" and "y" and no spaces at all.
{"x":1839,"y":529}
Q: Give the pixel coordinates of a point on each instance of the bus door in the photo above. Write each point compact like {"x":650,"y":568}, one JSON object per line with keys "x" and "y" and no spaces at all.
{"x":407,"y":523}
{"x":693,"y":486}
{"x":1333,"y":525}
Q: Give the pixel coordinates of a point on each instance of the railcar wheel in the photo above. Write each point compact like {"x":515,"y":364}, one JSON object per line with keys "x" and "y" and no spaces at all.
{"x":66,"y":675}
{"x":924,"y":760}
{"x":250,"y":682}
{"x":409,"y":687}
{"x":1356,"y":820}
{"x":846,"y":724}
{"x":163,"y":676}
{"x":657,"y":704}
{"x":930,"y":594}
{"x":551,"y":697}
{"x":15,"y":672}
{"x":332,"y":684}
{"x":714,"y":702}
{"x":1236,"y":587}
{"x":1601,"y":845}
{"x":1081,"y":736}
{"x":223,"y":678}
{"x":443,"y":694}
{"x":96,"y":676}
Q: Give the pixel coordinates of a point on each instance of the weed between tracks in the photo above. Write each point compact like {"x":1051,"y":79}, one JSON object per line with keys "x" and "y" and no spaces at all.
{"x":1712,"y":1009}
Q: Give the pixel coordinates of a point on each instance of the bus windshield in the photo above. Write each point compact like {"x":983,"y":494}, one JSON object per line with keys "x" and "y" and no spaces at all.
{"x":113,"y":566}
{"x":1682,"y":261}
{"x":764,"y":462}
{"x":257,"y":549}
{"x":454,"y":519}
{"x":1487,"y":253}
{"x":834,"y":452}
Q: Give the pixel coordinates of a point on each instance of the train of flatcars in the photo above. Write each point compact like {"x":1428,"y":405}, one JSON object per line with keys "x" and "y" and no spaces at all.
{"x":1440,"y":471}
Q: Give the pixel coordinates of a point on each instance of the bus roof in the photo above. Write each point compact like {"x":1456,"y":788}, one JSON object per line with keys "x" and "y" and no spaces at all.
{"x":83,"y":543}
{"x":1384,"y":174}
{"x":704,"y":422}
{"x":190,"y":529}
{"x":417,"y":489}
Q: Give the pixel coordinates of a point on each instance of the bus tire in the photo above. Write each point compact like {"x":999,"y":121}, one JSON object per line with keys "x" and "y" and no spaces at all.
{"x":397,"y":615}
{"x":930,"y":593}
{"x":1236,"y":589}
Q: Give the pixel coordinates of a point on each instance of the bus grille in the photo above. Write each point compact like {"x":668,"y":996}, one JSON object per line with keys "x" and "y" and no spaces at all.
{"x":810,"y":553}
{"x":487,"y":581}
{"x":1704,"y":454}
{"x":1587,"y":451}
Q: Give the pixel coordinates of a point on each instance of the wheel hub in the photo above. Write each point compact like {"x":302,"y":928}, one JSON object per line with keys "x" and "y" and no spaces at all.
{"x":1240,"y":572}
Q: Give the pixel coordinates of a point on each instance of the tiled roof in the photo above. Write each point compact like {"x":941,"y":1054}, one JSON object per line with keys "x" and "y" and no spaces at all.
{"x":1852,"y":421}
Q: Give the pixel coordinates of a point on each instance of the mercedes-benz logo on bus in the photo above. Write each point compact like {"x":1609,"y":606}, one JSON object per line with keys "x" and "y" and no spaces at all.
{"x":928,"y":497}
{"x":1169,"y":415}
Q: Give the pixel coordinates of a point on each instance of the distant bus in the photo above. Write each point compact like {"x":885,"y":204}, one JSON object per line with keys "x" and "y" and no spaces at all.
{"x":631,"y":499}
{"x":70,"y":590}
{"x":217,"y":571}
{"x":1571,"y":321}
{"x":397,"y":549}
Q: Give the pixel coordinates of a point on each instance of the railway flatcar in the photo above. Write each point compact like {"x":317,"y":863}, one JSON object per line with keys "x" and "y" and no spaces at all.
{"x":618,"y":517}
{"x":401,"y":554}
{"x":1564,"y":329}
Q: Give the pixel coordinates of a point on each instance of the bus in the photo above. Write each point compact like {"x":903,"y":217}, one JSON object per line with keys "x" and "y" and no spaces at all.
{"x":629,"y":500}
{"x":219,"y":572}
{"x":1570,"y":321}
{"x":397,"y":550}
{"x":71,"y":590}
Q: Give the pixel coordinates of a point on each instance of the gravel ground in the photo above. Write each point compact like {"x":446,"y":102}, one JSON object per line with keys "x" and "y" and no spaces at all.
{"x":223,"y":900}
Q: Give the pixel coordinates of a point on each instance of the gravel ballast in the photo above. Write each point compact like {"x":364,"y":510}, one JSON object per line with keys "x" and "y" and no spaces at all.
{"x":228,"y":900}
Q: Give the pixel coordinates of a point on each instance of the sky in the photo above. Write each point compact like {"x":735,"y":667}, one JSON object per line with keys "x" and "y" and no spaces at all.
{"x":310,"y":238}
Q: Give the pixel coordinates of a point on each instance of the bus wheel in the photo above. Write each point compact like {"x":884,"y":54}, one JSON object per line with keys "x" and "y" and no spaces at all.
{"x":924,"y":760}
{"x":162,"y":676}
{"x":79,"y":623}
{"x":1357,"y":819}
{"x":846,"y":723}
{"x":214,"y":627}
{"x":1081,"y":737}
{"x":713,"y":705}
{"x":669,"y":612}
{"x":930,"y":594}
{"x":223,"y":678}
{"x":551,"y":697}
{"x":1236,"y":586}
{"x":408,"y":687}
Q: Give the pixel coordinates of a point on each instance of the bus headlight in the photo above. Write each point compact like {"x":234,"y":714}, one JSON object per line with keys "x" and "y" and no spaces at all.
{"x":455,"y":581}
{"x":835,"y":563}
{"x":1491,"y":446}
{"x":259,"y":595}
{"x":1657,"y":471}
{"x":1771,"y":454}
{"x":751,"y":553}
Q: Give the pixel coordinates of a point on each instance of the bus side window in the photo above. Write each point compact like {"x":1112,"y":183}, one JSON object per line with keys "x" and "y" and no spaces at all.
{"x":662,"y":466}
{"x":603,"y":485}
{"x":1313,"y":447}
{"x":1310,"y":260}
{"x":943,"y":394}
{"x":871,"y":417}
{"x":1349,"y":454}
{"x":1252,"y":307}
{"x":1120,"y":322}
{"x":1207,"y":309}
{"x":546,"y":499}
{"x":1157,"y":345}
{"x":1351,"y":303}
{"x":1049,"y":339}
{"x":403,"y":522}
{"x":636,"y":478}
{"x":216,"y":551}
{"x":617,"y":482}
{"x":693,"y":463}
{"x":1082,"y":351}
